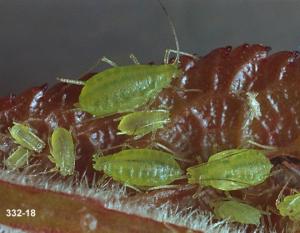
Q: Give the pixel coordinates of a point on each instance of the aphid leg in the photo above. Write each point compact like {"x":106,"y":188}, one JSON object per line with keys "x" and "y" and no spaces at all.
{"x":71,"y":81}
{"x":108,"y":61}
{"x":278,"y":199}
{"x":170,"y":186}
{"x":169,"y":51}
{"x":134,"y":59}
{"x":133,"y":187}
{"x":177,"y":89}
{"x":266,"y":147}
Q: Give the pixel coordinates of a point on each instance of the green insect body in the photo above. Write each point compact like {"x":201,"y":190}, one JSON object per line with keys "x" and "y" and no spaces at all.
{"x":63,"y":151}
{"x":125,"y":88}
{"x":140,"y":167}
{"x":24,"y":136}
{"x":142,"y":123}
{"x":18,"y":159}
{"x":290,"y":206}
{"x":237,"y":212}
{"x":232,"y":170}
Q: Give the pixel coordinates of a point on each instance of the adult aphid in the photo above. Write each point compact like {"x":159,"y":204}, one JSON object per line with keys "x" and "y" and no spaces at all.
{"x":18,"y":159}
{"x":24,"y":136}
{"x":126,"y":88}
{"x":140,"y":167}
{"x":290,"y":207}
{"x":62,"y":151}
{"x":232,"y":170}
{"x":237,"y":212}
{"x":144,"y":122}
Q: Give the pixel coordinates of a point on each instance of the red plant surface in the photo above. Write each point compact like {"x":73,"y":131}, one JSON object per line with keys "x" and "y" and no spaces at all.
{"x":203,"y":122}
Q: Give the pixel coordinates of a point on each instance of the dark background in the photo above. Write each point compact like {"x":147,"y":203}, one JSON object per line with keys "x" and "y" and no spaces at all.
{"x":43,"y":39}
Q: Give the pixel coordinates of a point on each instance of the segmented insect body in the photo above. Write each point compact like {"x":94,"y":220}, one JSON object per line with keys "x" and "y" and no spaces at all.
{"x":125,"y":88}
{"x":63,"y":151}
{"x":142,"y":123}
{"x":290,"y":206}
{"x":237,"y":212}
{"x":18,"y":159}
{"x":24,"y":136}
{"x":140,"y":167}
{"x":232,"y":170}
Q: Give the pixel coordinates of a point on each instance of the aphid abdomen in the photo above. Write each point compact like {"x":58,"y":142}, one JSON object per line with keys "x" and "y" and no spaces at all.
{"x":25,"y":137}
{"x":63,"y":151}
{"x":140,"y":167}
{"x":139,"y":173}
{"x":122,"y":89}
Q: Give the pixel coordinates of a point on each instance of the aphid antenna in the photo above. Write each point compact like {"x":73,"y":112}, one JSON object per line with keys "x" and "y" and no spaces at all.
{"x":134,"y":59}
{"x":163,"y":147}
{"x":71,"y":81}
{"x":174,"y":34}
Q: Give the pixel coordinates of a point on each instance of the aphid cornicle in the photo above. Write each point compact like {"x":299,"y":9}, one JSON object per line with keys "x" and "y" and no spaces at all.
{"x":144,"y":122}
{"x":62,"y":151}
{"x":232,"y":170}
{"x":24,"y":136}
{"x":237,"y":212}
{"x":18,"y":158}
{"x":140,"y":167}
{"x":290,"y":207}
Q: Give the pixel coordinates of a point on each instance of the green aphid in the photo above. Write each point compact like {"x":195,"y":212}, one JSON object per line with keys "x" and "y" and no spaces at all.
{"x":18,"y":159}
{"x":232,"y":170}
{"x":237,"y":212}
{"x":140,"y":167}
{"x":125,"y":88}
{"x":142,"y":123}
{"x":290,"y":207}
{"x":62,"y":151}
{"x":24,"y":136}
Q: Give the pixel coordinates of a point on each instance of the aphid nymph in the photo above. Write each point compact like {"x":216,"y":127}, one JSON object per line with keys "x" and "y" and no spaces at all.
{"x":24,"y":136}
{"x":232,"y":170}
{"x":18,"y":159}
{"x":140,"y":167}
{"x":237,"y":212}
{"x":290,"y":207}
{"x":62,"y":151}
{"x":143,"y":122}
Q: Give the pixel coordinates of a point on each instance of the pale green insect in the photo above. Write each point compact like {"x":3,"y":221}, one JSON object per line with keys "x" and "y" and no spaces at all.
{"x":237,"y":212}
{"x":125,"y":88}
{"x":24,"y":136}
{"x":18,"y":159}
{"x":290,"y":207}
{"x":140,"y":167}
{"x":142,"y":123}
{"x":62,"y":151}
{"x":232,"y":170}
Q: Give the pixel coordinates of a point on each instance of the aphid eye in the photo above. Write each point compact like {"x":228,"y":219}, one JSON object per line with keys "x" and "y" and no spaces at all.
{"x":290,"y":207}
{"x":232,"y":170}
{"x":140,"y":167}
{"x":18,"y":159}
{"x":24,"y":136}
{"x":142,"y":123}
{"x":237,"y":212}
{"x":63,"y":151}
